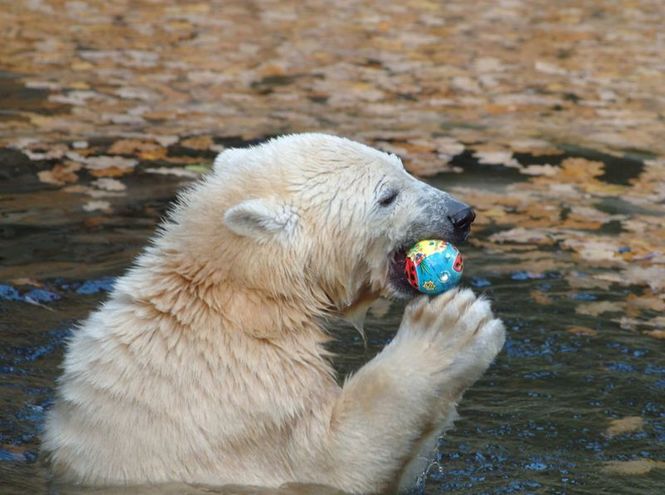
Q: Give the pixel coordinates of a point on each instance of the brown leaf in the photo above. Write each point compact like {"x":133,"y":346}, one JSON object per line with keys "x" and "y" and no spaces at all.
{"x":580,"y":170}
{"x":60,"y":174}
{"x":111,"y":172}
{"x":93,"y":222}
{"x":198,"y":142}
{"x":146,"y":150}
{"x":540,"y":297}
{"x":635,"y":304}
{"x":579,"y":330}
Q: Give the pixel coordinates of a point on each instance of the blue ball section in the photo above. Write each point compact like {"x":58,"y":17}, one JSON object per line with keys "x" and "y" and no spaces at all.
{"x":437,"y":264}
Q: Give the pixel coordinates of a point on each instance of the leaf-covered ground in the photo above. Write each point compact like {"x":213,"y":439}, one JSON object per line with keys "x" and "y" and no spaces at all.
{"x":548,"y":117}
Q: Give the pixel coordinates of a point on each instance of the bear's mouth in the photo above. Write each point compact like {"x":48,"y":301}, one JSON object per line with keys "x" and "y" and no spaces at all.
{"x":396,"y":275}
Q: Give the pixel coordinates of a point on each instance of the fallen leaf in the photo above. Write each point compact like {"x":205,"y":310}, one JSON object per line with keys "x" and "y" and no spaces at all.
{"x":540,"y":297}
{"x":535,"y":147}
{"x":579,"y":280}
{"x":145,"y":150}
{"x":580,"y":170}
{"x":111,"y":172}
{"x":628,"y":424}
{"x":610,"y":277}
{"x":102,"y":162}
{"x":108,"y":184}
{"x":549,"y":68}
{"x":43,"y":152}
{"x":628,"y":323}
{"x":97,"y":205}
{"x":579,"y":330}
{"x":653,"y":276}
{"x":448,"y":148}
{"x":499,"y":157}
{"x":522,"y":235}
{"x":180,"y":172}
{"x":164,"y":139}
{"x":594,"y":250}
{"x":635,"y":304}
{"x":539,"y":170}
{"x":26,"y":281}
{"x":60,"y":174}
{"x":183,"y":160}
{"x":198,"y":142}
{"x":634,"y":467}
{"x":92,"y":222}
{"x":599,"y":307}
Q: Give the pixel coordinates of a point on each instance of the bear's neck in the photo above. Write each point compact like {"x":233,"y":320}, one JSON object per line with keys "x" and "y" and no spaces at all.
{"x":198,"y":300}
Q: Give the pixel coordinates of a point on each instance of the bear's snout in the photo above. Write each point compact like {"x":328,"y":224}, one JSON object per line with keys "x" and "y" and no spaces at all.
{"x":443,"y":217}
{"x":462,"y":220}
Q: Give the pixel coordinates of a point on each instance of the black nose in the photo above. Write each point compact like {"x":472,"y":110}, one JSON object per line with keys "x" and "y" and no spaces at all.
{"x":463,"y":218}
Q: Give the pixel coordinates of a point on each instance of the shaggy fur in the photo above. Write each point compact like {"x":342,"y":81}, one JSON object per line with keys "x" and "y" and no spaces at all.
{"x":207,"y":363}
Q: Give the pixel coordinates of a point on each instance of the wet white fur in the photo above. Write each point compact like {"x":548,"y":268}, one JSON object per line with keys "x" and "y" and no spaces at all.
{"x":206,"y":364}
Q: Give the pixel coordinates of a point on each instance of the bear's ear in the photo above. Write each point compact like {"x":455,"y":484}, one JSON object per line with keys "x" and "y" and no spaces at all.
{"x":262,"y":219}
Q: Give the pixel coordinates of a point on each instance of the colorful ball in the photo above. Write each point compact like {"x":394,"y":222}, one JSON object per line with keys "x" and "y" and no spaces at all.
{"x":433,"y":266}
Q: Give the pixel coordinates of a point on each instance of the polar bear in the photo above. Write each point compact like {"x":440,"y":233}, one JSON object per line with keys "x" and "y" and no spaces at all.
{"x":207,"y":364}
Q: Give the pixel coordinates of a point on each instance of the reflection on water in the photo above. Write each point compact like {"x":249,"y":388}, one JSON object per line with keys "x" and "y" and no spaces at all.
{"x":537,"y":422}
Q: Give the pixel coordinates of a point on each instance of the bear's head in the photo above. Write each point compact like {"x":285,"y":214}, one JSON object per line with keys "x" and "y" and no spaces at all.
{"x":322,"y":217}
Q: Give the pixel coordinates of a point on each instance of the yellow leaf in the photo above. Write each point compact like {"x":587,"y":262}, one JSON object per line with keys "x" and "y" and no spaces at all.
{"x":628,"y":424}
{"x":634,"y":467}
{"x":599,"y":307}
{"x":657,"y":334}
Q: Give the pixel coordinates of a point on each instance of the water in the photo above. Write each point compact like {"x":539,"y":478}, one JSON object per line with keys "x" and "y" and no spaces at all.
{"x":389,"y":73}
{"x":535,"y":423}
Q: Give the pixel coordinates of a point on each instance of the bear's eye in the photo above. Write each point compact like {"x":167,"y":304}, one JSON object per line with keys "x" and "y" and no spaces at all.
{"x":388,"y":198}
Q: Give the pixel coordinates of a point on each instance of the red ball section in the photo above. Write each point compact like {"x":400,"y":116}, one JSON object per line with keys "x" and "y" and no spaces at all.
{"x":458,"y":266}
{"x":411,"y":275}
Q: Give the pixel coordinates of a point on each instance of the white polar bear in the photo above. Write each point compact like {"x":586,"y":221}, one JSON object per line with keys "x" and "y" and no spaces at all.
{"x":207,"y":363}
